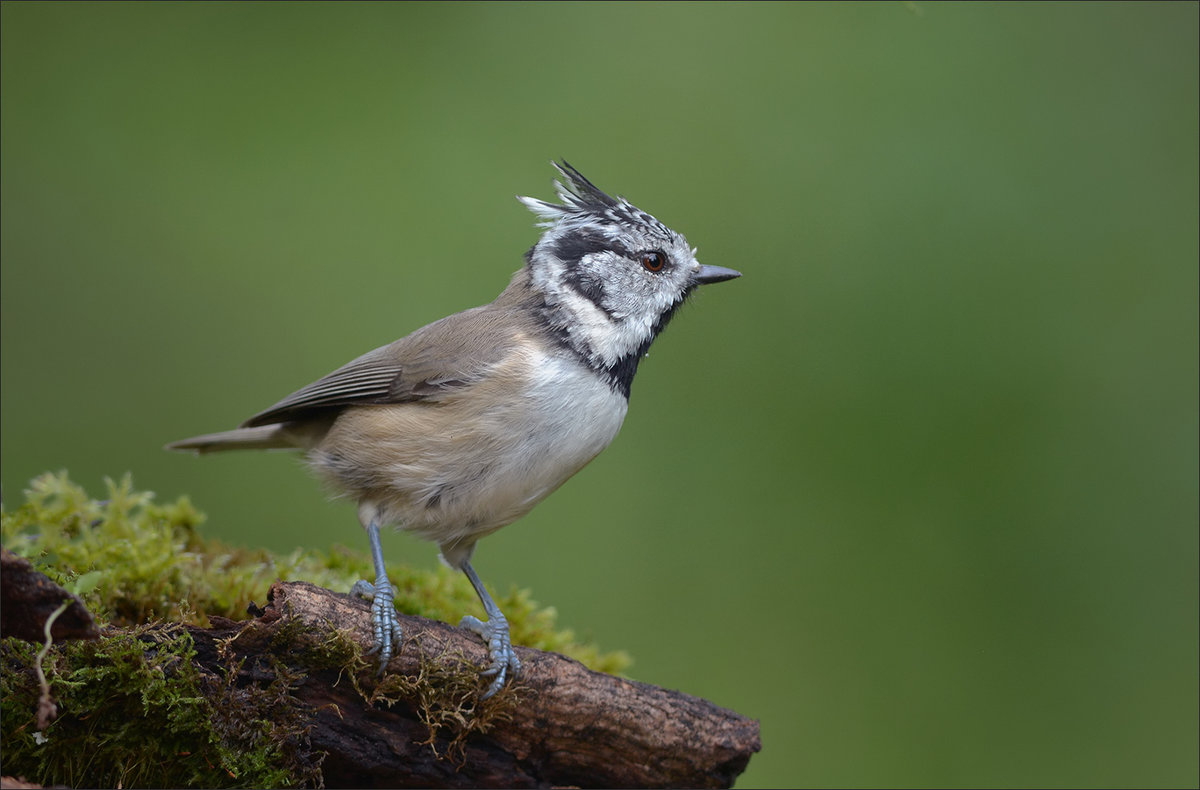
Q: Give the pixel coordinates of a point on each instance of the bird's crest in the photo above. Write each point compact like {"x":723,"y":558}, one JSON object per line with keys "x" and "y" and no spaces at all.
{"x":583,"y":203}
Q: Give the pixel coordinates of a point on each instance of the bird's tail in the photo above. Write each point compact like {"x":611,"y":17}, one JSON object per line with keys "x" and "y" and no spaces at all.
{"x":261,"y":437}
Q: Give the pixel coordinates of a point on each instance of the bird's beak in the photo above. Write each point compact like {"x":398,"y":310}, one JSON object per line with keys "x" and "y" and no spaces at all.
{"x":714,"y":274}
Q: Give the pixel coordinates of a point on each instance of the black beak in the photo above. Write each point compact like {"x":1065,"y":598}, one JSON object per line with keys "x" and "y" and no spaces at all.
{"x":714,"y":274}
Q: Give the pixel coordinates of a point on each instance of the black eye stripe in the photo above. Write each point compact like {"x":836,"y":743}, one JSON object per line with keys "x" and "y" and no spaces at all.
{"x":588,"y":287}
{"x":573,"y":247}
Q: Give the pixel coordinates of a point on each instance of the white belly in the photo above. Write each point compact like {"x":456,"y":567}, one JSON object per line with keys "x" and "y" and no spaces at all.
{"x":456,"y":470}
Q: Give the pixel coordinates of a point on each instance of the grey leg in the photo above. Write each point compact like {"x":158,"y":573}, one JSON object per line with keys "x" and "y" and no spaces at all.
{"x":494,"y":633}
{"x":383,"y":610}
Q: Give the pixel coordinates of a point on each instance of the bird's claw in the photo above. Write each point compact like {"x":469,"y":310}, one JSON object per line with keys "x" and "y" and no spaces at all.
{"x":385,"y":626}
{"x":504,"y":659}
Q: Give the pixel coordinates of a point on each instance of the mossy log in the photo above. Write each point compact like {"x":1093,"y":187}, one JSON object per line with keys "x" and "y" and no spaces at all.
{"x":424,"y":725}
{"x":560,"y":724}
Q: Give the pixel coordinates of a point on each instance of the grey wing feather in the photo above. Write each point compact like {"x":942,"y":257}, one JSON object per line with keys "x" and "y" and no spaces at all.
{"x":358,"y":382}
{"x":421,"y":366}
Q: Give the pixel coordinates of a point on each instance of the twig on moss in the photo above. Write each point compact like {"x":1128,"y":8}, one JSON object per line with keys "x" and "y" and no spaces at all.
{"x":47,"y":711}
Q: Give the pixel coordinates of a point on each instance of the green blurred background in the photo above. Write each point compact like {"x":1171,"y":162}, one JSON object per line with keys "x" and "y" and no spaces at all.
{"x":919,"y":491}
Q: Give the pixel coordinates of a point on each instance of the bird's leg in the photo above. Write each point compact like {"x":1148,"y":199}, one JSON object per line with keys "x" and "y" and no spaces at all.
{"x":385,"y":625}
{"x":495,"y":634}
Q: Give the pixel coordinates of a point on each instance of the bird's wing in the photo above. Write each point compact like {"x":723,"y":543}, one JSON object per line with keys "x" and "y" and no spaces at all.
{"x":446,"y":355}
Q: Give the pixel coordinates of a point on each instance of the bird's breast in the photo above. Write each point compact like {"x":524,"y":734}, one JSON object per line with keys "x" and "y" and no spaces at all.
{"x":480,"y":458}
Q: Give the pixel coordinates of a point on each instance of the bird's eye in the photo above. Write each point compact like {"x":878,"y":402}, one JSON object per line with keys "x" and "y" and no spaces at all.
{"x":654,"y":261}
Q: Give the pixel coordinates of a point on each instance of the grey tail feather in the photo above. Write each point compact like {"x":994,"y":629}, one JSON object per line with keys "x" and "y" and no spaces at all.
{"x":262,"y":437}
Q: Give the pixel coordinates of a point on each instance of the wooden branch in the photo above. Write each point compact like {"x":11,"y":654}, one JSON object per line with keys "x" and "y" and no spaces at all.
{"x":560,"y":724}
{"x":423,"y":724}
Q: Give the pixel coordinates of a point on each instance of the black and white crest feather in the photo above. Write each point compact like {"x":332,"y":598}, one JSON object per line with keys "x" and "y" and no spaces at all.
{"x":583,"y":203}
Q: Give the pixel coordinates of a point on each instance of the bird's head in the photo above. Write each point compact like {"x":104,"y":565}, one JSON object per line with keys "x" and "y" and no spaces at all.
{"x":611,"y":274}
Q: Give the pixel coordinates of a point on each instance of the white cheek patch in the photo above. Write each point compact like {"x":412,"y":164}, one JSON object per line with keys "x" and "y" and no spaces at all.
{"x":593,"y":329}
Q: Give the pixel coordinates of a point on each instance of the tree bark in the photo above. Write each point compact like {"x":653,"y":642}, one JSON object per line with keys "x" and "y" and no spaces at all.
{"x":424,"y":723}
{"x":29,"y":598}
{"x":559,"y":724}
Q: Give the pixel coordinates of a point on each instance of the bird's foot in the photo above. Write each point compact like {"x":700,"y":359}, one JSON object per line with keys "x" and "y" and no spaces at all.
{"x":504,"y":659}
{"x":384,"y":623}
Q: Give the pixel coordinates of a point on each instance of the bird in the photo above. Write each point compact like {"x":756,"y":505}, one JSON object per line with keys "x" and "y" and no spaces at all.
{"x":464,"y":425}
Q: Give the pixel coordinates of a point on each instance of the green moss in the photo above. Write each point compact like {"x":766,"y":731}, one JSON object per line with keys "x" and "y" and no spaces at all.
{"x":132,"y":559}
{"x":133,"y":711}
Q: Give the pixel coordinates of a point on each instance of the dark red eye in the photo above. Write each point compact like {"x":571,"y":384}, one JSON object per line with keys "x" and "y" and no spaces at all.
{"x":654,"y":261}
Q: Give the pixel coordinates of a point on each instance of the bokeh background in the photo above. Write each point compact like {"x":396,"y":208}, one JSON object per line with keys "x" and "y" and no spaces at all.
{"x":919,"y":491}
